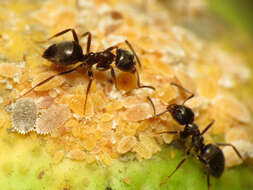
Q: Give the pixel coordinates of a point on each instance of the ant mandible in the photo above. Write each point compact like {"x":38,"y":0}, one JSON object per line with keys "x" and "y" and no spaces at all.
{"x":70,"y":52}
{"x":210,"y":155}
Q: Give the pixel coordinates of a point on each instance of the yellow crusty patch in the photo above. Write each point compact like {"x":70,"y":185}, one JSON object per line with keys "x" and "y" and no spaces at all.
{"x":9,"y":70}
{"x":117,"y":121}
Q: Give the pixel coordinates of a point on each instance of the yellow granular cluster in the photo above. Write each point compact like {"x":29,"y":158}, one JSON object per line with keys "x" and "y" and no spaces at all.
{"x":118,"y":121}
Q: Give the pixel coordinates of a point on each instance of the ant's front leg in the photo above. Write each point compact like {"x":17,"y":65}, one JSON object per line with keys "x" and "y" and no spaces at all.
{"x":139,"y":82}
{"x":114,"y":77}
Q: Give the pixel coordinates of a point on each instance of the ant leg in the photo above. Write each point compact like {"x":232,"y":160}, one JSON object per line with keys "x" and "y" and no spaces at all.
{"x":88,"y":41}
{"x":178,"y":166}
{"x":65,"y":31}
{"x":114,"y":77}
{"x":139,"y":82}
{"x":168,"y":132}
{"x":208,"y":181}
{"x":90,"y":74}
{"x":111,"y":48}
{"x":235,"y":149}
{"x":207,"y":127}
{"x":134,"y":53}
{"x":184,"y":89}
{"x":48,"y":79}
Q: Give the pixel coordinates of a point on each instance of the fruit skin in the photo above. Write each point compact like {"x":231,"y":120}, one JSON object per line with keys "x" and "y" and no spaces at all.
{"x":25,"y":165}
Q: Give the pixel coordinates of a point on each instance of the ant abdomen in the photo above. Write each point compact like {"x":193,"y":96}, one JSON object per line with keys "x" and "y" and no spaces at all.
{"x":64,"y":53}
{"x":213,"y":156}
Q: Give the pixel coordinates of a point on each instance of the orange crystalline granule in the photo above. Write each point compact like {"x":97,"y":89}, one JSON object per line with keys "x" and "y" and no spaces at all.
{"x":126,"y":144}
{"x":9,"y":70}
{"x":138,"y":112}
{"x":58,"y":156}
{"x":233,"y":108}
{"x":76,"y":155}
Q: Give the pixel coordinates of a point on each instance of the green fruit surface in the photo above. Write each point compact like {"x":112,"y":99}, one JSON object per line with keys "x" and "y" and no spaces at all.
{"x":24,"y":165}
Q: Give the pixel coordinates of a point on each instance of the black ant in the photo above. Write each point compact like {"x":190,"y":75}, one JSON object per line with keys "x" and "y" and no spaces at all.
{"x":210,"y":155}
{"x":70,"y":52}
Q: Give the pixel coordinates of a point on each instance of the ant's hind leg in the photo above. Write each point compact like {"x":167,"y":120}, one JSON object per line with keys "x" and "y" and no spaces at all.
{"x":65,"y":31}
{"x":234,"y":148}
{"x":48,"y":79}
{"x":208,"y":181}
{"x":88,"y":41}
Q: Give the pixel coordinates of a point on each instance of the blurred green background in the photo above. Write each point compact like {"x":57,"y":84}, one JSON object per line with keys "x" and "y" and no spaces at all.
{"x":226,"y":22}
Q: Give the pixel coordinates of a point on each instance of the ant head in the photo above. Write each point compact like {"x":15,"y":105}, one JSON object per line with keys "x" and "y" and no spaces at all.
{"x":125,"y":61}
{"x":182,"y":114}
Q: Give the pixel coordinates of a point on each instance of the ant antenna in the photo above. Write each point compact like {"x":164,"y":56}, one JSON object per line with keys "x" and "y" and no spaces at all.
{"x":154,"y":109}
{"x":134,"y":53}
{"x":184,"y":89}
{"x":152,"y":104}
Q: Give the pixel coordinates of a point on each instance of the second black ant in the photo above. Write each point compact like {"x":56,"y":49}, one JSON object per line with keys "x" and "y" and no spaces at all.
{"x":70,"y":52}
{"x":209,"y":154}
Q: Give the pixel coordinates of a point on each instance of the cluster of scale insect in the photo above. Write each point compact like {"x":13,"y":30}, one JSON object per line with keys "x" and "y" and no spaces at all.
{"x":70,"y":52}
